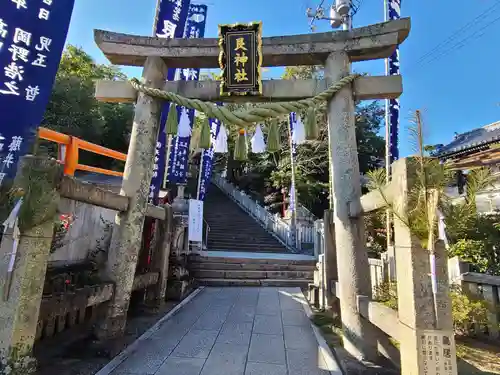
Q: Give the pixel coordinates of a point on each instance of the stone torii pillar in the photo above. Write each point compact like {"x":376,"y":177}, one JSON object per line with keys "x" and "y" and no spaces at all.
{"x":360,"y":336}
{"x":334,"y":49}
{"x":127,"y":233}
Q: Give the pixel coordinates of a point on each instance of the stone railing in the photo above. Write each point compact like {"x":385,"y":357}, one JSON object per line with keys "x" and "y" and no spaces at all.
{"x":339,"y":265}
{"x":304,"y":237}
{"x":64,"y":298}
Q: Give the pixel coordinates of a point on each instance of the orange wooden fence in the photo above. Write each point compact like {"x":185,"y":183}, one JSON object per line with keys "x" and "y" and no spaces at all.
{"x":69,"y":147}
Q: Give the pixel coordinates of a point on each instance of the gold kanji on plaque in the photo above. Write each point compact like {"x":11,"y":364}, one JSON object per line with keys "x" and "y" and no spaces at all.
{"x":240,"y":59}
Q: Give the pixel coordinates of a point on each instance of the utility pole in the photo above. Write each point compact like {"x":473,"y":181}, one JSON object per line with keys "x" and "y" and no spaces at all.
{"x":341,"y":14}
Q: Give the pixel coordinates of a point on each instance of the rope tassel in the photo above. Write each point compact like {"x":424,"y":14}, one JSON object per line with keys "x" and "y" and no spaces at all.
{"x":205,"y":136}
{"x":172,"y":121}
{"x":273,"y":137}
{"x":311,"y":127}
{"x":240,"y":148}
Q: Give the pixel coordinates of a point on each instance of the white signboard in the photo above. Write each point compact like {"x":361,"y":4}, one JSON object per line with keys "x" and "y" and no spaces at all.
{"x":437,"y":352}
{"x":195,"y":228}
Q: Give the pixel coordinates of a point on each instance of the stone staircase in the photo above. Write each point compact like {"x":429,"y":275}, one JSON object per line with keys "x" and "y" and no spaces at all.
{"x":232,"y":229}
{"x":240,"y":270}
{"x":241,"y":252}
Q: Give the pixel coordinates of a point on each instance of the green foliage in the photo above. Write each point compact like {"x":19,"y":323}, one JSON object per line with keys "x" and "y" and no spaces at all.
{"x":387,"y":293}
{"x":429,"y":179}
{"x":73,"y":110}
{"x":467,"y":313}
{"x":37,"y":184}
{"x":478,"y":244}
{"x":376,"y":232}
{"x":267,"y":174}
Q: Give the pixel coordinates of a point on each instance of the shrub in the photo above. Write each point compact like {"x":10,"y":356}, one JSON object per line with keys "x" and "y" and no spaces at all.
{"x":467,"y":313}
{"x":387,"y":293}
{"x":478,"y":244}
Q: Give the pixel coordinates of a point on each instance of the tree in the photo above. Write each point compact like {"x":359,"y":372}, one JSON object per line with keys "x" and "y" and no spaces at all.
{"x":73,"y":110}
{"x":268,"y":173}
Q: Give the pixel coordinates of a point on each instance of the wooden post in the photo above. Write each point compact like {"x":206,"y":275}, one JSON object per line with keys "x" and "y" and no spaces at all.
{"x":19,"y":312}
{"x":360,"y":336}
{"x":127,"y":234}
{"x":427,"y":340}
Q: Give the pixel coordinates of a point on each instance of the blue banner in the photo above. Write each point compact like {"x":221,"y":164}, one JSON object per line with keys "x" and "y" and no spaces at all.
{"x":394,"y":13}
{"x":32,"y":37}
{"x":207,"y":160}
{"x":179,"y":152}
{"x":293,"y":121}
{"x":170,"y":23}
{"x":293,"y":154}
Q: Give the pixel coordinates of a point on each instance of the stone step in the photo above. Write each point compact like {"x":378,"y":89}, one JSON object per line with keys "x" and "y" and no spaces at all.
{"x":246,"y":242}
{"x":237,"y":260}
{"x":224,"y":233}
{"x":251,"y":266}
{"x":243,"y":274}
{"x":237,"y":247}
{"x":302,"y":283}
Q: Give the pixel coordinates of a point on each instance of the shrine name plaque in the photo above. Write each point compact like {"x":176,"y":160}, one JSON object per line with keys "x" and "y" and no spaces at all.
{"x":437,"y":352}
{"x":240,"y":59}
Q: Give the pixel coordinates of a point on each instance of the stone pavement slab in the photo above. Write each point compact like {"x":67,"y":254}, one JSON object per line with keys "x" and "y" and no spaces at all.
{"x":231,"y":331}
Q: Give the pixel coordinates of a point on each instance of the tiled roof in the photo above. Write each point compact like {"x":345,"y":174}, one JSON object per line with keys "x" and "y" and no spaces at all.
{"x":472,"y":139}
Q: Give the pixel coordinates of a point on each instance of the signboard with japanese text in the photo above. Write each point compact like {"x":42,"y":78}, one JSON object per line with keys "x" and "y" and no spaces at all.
{"x":241,"y":59}
{"x":195,"y":226}
{"x":32,"y":37}
{"x":437,"y":352}
{"x":179,"y":154}
{"x":170,"y":23}
{"x":207,"y":160}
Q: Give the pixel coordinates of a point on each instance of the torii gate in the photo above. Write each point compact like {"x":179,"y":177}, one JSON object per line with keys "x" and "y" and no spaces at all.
{"x":336,"y":51}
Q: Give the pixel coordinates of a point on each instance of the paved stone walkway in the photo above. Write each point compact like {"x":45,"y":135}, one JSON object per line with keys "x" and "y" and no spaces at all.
{"x":232,"y":331}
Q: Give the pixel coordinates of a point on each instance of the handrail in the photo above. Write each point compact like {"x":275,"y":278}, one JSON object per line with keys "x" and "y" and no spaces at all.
{"x":207,"y":232}
{"x":275,"y":225}
{"x":69,"y":147}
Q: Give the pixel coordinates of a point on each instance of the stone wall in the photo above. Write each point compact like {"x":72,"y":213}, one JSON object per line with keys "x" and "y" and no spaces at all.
{"x":88,"y":230}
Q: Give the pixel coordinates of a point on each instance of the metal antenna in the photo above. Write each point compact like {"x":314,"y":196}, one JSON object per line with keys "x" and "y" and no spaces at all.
{"x":336,"y":20}
{"x":316,"y":15}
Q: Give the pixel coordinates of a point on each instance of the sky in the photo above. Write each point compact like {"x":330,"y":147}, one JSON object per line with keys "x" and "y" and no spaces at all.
{"x":449,"y":62}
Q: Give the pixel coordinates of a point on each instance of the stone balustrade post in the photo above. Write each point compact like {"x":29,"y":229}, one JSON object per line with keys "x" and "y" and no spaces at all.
{"x":21,"y":290}
{"x":331,"y":274}
{"x":425,"y":320}
{"x":161,"y":254}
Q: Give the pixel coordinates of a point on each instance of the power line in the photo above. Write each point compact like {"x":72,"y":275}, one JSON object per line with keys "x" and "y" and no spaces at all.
{"x":460,"y":44}
{"x":455,"y":35}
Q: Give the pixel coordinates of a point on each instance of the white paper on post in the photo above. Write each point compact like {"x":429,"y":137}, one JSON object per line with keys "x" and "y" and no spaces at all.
{"x":195,"y":228}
